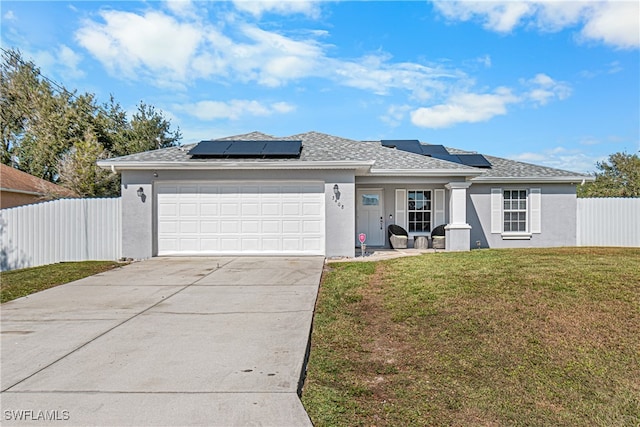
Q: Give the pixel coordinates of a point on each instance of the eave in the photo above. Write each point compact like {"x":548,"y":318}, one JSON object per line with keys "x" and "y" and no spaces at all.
{"x":424,"y":172}
{"x":13,"y":190}
{"x":577,"y":179}
{"x":235,"y":165}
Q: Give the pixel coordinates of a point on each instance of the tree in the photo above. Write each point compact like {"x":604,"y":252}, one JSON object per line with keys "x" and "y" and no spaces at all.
{"x":147,"y":130}
{"x":58,"y":135}
{"x":617,"y":177}
{"x":79,"y":172}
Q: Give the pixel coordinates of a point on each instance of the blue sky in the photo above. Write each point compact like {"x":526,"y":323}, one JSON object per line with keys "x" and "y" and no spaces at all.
{"x":553,"y":83}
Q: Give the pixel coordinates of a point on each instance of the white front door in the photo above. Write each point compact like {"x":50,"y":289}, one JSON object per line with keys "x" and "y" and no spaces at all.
{"x":370,"y":217}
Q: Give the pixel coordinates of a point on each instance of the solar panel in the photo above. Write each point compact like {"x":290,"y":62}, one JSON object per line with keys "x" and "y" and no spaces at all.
{"x":430,"y":150}
{"x":447,"y":157}
{"x":209,"y":148}
{"x":409,"y":145}
{"x":475,"y":160}
{"x":282,"y":148}
{"x":223,"y":149}
{"x":245,"y":148}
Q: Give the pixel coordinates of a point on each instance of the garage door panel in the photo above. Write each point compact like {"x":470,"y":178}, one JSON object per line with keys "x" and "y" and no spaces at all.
{"x":271,"y":227}
{"x":230,"y":209}
{"x":208,"y":244}
{"x":167,"y":210}
{"x":291,"y":244}
{"x":290,"y":209}
{"x":311,"y":208}
{"x":209,"y":209}
{"x":188,"y":209}
{"x":250,"y":244}
{"x":169,"y":227}
{"x":189,"y":244}
{"x":311,"y":227}
{"x":270,"y":208}
{"x":250,"y":227}
{"x":291,"y":227}
{"x":312,"y":243}
{"x":230,"y":226}
{"x":228,"y":244}
{"x":252,"y":209}
{"x":187,"y":227}
{"x":234,"y":218}
{"x":209,"y":227}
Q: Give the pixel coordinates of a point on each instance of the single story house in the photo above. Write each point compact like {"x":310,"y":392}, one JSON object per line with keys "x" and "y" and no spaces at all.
{"x":314,"y":194}
{"x":19,"y":188}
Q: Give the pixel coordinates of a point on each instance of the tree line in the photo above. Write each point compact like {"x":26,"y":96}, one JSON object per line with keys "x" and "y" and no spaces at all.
{"x":59,"y":135}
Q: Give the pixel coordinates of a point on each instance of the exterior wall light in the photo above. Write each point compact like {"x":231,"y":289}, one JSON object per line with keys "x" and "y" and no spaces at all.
{"x":336,"y":189}
{"x":141,"y":194}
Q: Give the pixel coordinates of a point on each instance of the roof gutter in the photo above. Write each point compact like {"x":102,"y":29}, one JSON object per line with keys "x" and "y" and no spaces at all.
{"x":119,"y":166}
{"x":535,"y":179}
{"x":13,"y":190}
{"x":425,"y":172}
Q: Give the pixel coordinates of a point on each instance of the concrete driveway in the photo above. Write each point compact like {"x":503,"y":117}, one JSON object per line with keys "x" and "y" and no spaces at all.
{"x":167,"y":341}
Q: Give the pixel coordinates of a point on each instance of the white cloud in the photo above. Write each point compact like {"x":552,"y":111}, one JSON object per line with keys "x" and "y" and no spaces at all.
{"x":9,"y":16}
{"x":560,"y":158}
{"x":127,"y":43}
{"x":288,"y":7}
{"x":544,"y":89}
{"x":234,"y":109}
{"x":70,"y":61}
{"x":465,"y":108}
{"x":173,"y":51}
{"x":181,"y":7}
{"x":612,"y":22}
{"x":395,"y":114}
{"x":501,"y":16}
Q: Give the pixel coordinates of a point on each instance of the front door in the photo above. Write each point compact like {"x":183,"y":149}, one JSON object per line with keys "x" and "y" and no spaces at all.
{"x":370,"y":217}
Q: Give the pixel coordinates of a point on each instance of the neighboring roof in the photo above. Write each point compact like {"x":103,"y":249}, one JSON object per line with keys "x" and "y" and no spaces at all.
{"x":331,"y":152}
{"x":16,"y":181}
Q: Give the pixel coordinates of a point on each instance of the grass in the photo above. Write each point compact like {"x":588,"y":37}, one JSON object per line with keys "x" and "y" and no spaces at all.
{"x":19,"y":283}
{"x":529,"y":337}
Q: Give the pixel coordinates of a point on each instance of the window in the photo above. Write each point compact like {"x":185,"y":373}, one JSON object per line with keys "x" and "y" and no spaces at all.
{"x":370,"y":200}
{"x":515,"y":211}
{"x":419,"y":210}
{"x":516,"y":214}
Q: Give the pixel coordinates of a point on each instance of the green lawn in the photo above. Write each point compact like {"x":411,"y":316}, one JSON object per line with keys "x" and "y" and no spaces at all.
{"x":19,"y":283}
{"x":530,"y":337}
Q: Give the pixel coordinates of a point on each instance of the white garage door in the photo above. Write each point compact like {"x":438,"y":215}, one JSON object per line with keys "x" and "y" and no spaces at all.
{"x":240,"y":218}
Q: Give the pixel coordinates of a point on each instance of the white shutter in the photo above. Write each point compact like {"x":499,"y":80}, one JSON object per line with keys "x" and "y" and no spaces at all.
{"x":401,"y":207}
{"x":438,"y":217}
{"x":496,"y":210}
{"x":535,"y":201}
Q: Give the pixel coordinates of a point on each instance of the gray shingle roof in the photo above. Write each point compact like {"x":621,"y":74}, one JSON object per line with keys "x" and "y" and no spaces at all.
{"x":319,"y":147}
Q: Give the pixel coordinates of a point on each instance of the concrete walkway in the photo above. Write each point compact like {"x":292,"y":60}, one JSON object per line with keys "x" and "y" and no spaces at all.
{"x":168,"y":341}
{"x":380,"y":254}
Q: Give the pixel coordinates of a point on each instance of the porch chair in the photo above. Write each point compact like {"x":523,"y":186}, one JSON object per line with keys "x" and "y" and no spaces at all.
{"x":398,"y":236}
{"x":437,"y":237}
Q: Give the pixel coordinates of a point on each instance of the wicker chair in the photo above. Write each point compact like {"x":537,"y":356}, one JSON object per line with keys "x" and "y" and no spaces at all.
{"x":437,"y":237}
{"x":398,"y":236}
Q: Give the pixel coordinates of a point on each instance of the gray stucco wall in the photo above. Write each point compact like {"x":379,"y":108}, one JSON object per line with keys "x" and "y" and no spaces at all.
{"x":558,"y":215}
{"x":139,"y":219}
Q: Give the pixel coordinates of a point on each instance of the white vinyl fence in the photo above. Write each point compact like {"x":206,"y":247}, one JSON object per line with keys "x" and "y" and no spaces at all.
{"x":60,"y":230}
{"x":608,"y":222}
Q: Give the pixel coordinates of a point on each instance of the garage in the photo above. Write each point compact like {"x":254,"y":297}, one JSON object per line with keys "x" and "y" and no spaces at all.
{"x":211,"y":218}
